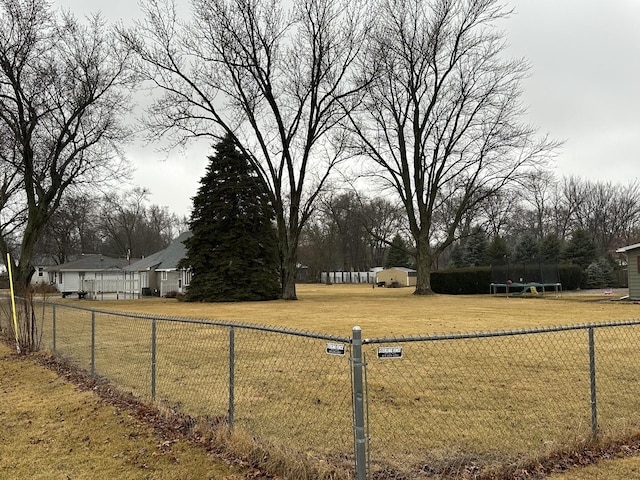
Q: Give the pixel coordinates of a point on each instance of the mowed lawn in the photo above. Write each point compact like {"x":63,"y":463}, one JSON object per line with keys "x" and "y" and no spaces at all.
{"x":386,"y":312}
{"x":49,"y":429}
{"x":335,"y":309}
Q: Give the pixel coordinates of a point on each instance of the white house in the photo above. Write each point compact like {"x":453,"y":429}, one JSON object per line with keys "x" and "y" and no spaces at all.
{"x":158,"y":274}
{"x":94,"y":274}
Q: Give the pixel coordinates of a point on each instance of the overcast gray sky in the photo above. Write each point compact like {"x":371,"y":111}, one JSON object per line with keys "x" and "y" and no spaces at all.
{"x":583,"y":89}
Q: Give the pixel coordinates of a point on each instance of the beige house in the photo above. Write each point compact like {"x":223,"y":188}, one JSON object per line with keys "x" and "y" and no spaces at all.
{"x":397,"y":276}
{"x":633,"y":268}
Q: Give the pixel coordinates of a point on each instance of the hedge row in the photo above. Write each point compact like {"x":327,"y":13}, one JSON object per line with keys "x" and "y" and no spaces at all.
{"x":475,"y":280}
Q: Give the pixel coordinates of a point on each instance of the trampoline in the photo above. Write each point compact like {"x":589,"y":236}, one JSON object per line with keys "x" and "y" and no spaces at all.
{"x":517,"y":279}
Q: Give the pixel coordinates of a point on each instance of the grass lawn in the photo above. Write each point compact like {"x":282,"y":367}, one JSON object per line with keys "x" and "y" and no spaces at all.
{"x":49,"y":429}
{"x":609,"y":469}
{"x":482,"y":399}
{"x":335,"y":309}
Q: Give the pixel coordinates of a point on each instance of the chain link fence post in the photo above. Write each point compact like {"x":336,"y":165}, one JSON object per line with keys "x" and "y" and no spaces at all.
{"x":358,"y":405}
{"x":53,"y":328}
{"x":153,"y":358}
{"x":93,"y":343}
{"x":231,"y":375}
{"x":592,"y":383}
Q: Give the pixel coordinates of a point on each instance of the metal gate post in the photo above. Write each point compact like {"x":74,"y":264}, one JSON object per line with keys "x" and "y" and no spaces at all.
{"x":360,"y":440}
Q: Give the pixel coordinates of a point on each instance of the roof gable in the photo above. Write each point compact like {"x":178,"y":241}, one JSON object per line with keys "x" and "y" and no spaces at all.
{"x":166,"y":259}
{"x":94,"y":262}
{"x":401,"y":269}
{"x":635,"y":246}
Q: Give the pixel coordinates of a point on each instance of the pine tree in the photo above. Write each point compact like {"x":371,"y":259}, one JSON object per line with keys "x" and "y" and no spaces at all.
{"x":526,"y":250}
{"x":398,"y":256}
{"x":498,"y":250}
{"x":476,"y":249}
{"x":233,"y":252}
{"x":551,"y":248}
{"x":581,"y":249}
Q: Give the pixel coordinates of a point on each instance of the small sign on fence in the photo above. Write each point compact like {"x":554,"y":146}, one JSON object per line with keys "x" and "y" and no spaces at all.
{"x":389,"y":352}
{"x":335,"y":348}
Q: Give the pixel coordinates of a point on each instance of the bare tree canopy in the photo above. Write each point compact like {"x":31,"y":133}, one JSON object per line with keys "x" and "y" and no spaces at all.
{"x":442,"y":121}
{"x":63,"y":92}
{"x":273,"y":79}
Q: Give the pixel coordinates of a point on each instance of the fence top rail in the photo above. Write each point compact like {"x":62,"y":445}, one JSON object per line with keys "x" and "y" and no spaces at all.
{"x":216,"y":323}
{"x":505,"y":333}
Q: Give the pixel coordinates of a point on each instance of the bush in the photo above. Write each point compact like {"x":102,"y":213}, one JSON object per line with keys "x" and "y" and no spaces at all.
{"x":42,"y":288}
{"x":477,"y":280}
{"x":462,"y":281}
{"x":571,"y":277}
{"x":171,"y":294}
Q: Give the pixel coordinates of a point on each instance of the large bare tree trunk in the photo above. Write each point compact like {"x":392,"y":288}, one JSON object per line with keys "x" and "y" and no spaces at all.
{"x":423,"y":270}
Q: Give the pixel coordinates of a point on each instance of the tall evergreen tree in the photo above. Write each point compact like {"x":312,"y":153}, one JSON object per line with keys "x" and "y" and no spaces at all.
{"x":581,"y":249}
{"x":551,"y":248}
{"x":476,"y":248}
{"x":526,"y":250}
{"x":398,"y":255}
{"x":498,"y":250}
{"x":233,"y":252}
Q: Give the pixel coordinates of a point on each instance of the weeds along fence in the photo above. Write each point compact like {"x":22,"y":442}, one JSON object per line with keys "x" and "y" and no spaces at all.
{"x":384,"y":407}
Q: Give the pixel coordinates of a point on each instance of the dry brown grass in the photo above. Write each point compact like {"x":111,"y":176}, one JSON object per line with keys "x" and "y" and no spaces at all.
{"x":49,"y":429}
{"x":335,"y":309}
{"x":516,"y":398}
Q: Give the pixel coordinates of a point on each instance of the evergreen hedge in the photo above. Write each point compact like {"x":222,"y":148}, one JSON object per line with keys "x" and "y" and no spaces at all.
{"x":477,"y":280}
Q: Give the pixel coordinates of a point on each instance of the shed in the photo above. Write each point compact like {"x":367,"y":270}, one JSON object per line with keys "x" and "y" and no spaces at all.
{"x":633,"y":268}
{"x":402,"y":276}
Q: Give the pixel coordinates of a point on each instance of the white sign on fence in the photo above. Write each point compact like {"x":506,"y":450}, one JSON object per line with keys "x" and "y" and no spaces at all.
{"x":389,"y":352}
{"x":335,"y":348}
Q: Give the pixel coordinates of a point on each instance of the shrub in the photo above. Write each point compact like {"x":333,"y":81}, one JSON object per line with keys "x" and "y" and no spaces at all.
{"x":461,"y":281}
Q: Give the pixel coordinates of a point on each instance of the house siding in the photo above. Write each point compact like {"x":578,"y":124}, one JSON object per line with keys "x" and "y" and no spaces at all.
{"x":634,"y":273}
{"x":69,"y":282}
{"x":173,"y":282}
{"x":404,"y":278}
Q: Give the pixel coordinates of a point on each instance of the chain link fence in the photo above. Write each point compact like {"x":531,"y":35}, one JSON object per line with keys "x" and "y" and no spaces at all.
{"x":432,"y":405}
{"x":451,"y":403}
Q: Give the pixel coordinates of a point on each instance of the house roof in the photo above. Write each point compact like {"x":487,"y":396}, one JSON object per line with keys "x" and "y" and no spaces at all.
{"x":166,"y":259}
{"x":402,"y":269}
{"x":90,"y":262}
{"x":635,"y":246}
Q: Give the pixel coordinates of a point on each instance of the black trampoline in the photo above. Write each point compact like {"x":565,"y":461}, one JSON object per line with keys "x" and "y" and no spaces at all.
{"x":520,"y":278}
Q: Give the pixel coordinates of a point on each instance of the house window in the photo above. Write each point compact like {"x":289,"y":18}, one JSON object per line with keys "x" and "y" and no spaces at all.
{"x":163,"y":276}
{"x":638,"y":262}
{"x":187,"y":278}
{"x":40,"y":271}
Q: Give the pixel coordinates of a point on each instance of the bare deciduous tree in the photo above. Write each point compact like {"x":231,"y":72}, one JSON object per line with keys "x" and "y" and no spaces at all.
{"x":608,"y":211}
{"x":132,"y":228}
{"x":443,"y":121}
{"x":63,"y":92}
{"x":274,"y":80}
